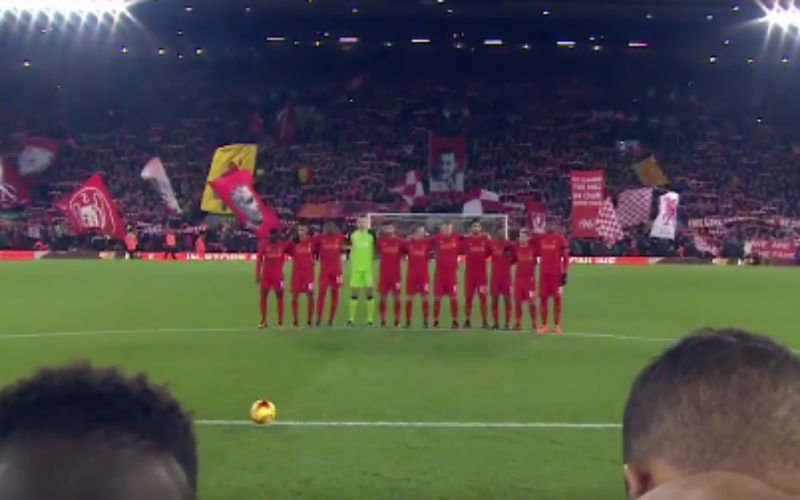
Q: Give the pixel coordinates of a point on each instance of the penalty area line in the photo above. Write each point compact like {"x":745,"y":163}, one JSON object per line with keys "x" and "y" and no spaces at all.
{"x":413,"y":425}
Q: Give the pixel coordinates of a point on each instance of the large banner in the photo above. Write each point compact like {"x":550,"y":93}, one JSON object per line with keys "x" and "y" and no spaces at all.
{"x":237,"y":192}
{"x":772,"y":249}
{"x":588,"y":193}
{"x":447,"y":163}
{"x":719,"y":223}
{"x":90,"y":209}
{"x":537,"y":216}
{"x":154,"y":173}
{"x":666,"y":224}
{"x":227,"y":159}
{"x":13,"y":190}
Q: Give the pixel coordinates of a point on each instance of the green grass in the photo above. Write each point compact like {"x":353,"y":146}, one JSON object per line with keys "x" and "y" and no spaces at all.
{"x":360,"y":375}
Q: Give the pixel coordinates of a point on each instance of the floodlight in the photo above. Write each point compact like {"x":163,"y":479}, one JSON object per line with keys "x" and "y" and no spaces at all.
{"x":784,"y":17}
{"x":98,"y":7}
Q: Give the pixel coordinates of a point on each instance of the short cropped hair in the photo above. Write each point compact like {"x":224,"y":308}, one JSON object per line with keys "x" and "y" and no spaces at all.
{"x":717,"y":400}
{"x":79,"y":401}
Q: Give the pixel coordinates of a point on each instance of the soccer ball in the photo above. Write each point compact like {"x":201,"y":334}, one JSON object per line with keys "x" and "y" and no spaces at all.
{"x":263,"y":412}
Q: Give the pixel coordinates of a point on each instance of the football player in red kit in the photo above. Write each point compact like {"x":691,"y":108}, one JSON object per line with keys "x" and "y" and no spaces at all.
{"x":554,"y":253}
{"x":418,"y":250}
{"x":446,"y":246}
{"x":329,"y":246}
{"x":500,"y":285}
{"x":302,"y":252}
{"x":477,"y":250}
{"x":525,"y":255}
{"x":269,"y":274}
{"x":390,"y":250}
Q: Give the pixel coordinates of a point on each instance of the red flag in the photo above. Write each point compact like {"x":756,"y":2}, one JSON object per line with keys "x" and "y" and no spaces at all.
{"x":447,"y":163}
{"x":91,"y":209}
{"x":537,"y":216}
{"x":588,"y":193}
{"x":287,"y":125}
{"x":608,"y":226}
{"x":237,"y":192}
{"x":13,"y":190}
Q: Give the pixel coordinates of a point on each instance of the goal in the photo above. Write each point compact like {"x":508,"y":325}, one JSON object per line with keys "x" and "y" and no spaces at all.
{"x":405,"y":223}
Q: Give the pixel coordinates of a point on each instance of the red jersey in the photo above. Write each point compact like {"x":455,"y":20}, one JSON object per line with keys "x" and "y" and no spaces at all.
{"x":477,"y":249}
{"x":391,"y":253}
{"x":501,"y":259}
{"x":418,"y":254}
{"x":302,"y":252}
{"x":270,"y":259}
{"x":446,"y":247}
{"x":554,"y":251}
{"x":330,"y":248}
{"x":525,"y":256}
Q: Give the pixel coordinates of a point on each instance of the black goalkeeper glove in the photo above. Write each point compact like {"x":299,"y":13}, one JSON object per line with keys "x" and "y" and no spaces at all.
{"x":564,"y":279}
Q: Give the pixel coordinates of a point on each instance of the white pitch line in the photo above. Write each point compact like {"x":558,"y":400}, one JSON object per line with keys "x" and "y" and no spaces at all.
{"x":204,"y":330}
{"x":415,"y":425}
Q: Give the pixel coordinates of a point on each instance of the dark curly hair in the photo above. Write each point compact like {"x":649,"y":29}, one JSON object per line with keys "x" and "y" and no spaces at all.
{"x":79,"y":401}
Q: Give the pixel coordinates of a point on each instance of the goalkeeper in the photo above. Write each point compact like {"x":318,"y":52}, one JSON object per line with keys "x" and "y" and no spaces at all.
{"x":362,"y":283}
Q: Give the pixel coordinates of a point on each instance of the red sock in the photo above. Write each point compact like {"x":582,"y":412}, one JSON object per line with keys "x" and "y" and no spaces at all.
{"x":496,"y":309}
{"x":557,"y":309}
{"x":409,"y":310}
{"x":507,"y":306}
{"x":382,"y":308}
{"x":323,"y":292}
{"x":295,"y":308}
{"x":518,"y":312}
{"x":334,"y":304}
{"x":426,"y":309}
{"x":532,"y":306}
{"x":437,"y":308}
{"x":454,"y":309}
{"x":263,"y":305}
{"x":397,"y":306}
{"x":484,"y":306}
{"x":309,"y":308}
{"x":279,"y":296}
{"x":543,"y":311}
{"x":467,"y":307}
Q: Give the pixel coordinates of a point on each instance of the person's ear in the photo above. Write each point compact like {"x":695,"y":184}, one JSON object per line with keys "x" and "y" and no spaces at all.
{"x":638,"y":481}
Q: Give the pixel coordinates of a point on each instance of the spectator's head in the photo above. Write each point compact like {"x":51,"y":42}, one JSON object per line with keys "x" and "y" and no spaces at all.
{"x":302,"y":231}
{"x":82,"y":432}
{"x":330,"y":228}
{"x":419,"y":232}
{"x":389,"y":229}
{"x":446,"y":228}
{"x":718,"y":400}
{"x":362,"y":223}
{"x":524,"y":236}
{"x":475,"y":227}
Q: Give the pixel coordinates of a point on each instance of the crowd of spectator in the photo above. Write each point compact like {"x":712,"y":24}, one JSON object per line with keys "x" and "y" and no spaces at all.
{"x":727,"y":151}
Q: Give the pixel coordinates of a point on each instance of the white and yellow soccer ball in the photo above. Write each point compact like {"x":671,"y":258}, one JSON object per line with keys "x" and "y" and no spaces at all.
{"x":263,"y":412}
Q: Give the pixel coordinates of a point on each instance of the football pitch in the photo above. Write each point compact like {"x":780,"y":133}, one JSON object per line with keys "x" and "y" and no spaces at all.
{"x":383,"y":414}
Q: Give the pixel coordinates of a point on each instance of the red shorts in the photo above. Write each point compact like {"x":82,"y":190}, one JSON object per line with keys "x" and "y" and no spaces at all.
{"x":501,"y":286}
{"x":302,"y":282}
{"x":417,"y":285}
{"x":330,"y":280}
{"x":549,"y":286}
{"x":272,"y":284}
{"x":445,"y":284}
{"x":388,"y":285}
{"x":524,"y":290}
{"x":475,"y":284}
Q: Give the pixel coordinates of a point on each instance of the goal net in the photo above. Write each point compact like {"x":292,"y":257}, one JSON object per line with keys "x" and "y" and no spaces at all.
{"x":405,"y":223}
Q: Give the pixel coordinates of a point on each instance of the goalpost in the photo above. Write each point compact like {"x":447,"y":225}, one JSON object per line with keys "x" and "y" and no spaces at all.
{"x":405,"y":222}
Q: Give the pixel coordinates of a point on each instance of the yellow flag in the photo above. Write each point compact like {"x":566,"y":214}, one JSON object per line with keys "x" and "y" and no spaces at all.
{"x":227,"y":158}
{"x":650,"y":173}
